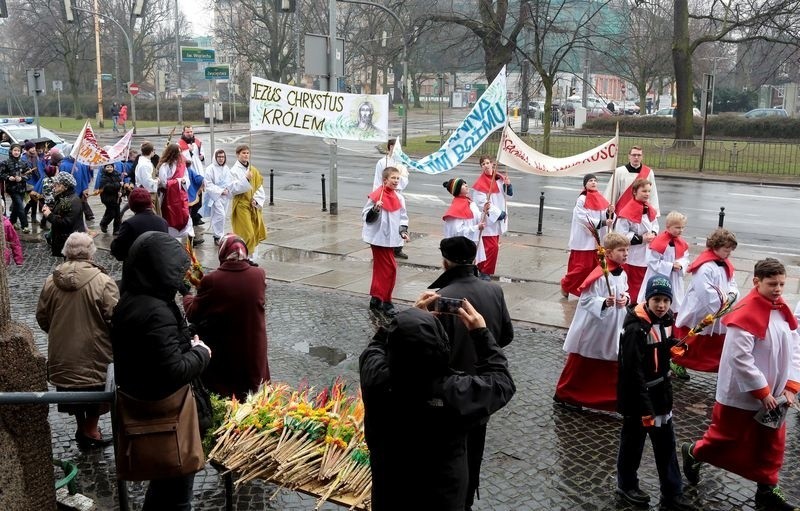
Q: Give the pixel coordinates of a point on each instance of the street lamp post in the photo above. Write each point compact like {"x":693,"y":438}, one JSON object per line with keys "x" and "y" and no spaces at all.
{"x":130,"y":58}
{"x":404,"y":134}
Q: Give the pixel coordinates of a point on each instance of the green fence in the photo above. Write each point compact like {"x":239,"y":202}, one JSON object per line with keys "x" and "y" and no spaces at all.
{"x":721,"y":156}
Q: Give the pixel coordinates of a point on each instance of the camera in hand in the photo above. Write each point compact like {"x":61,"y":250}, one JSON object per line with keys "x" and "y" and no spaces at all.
{"x":446,"y":305}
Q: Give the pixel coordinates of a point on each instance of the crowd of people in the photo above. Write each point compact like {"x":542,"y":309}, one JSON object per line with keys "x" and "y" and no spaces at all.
{"x":635,"y":327}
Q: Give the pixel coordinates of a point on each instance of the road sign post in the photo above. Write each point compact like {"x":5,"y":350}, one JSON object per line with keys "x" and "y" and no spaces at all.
{"x":133,"y":89}
{"x":194,"y":54}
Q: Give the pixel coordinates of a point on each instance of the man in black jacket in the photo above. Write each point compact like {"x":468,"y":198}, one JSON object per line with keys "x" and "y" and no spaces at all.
{"x":142,"y":221}
{"x":458,"y":281}
{"x":405,"y":373}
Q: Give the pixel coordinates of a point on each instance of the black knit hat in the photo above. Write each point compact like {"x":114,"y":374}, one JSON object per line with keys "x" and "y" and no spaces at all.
{"x":454,"y":186}
{"x":459,"y":249}
{"x":658,"y":285}
{"x":587,"y":177}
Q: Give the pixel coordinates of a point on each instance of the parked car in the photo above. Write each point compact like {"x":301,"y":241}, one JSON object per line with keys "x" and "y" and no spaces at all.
{"x":758,"y":113}
{"x":18,"y":130}
{"x":670,"y":112}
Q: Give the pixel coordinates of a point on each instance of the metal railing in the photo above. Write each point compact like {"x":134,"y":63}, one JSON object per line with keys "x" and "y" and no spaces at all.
{"x":727,"y":157}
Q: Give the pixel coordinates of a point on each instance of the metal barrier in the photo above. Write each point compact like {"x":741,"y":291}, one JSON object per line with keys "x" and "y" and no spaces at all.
{"x":47,"y":398}
{"x":271,"y":187}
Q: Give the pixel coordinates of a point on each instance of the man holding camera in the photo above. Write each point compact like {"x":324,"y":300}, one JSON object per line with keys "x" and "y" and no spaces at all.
{"x":460,"y":281}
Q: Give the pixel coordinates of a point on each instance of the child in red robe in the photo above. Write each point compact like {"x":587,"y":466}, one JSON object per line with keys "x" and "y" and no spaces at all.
{"x":638,"y":221}
{"x":760,"y":364}
{"x":385,"y":227}
{"x":711,"y":270}
{"x":589,"y":377}
{"x":590,"y":208}
{"x":669,"y":256}
{"x":489,"y":192}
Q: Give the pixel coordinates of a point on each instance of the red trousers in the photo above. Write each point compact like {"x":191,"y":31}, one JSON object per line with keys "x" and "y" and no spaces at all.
{"x":737,"y":443}
{"x":635,"y":278}
{"x":580,"y":265}
{"x":491,"y":245}
{"x":384,"y":273}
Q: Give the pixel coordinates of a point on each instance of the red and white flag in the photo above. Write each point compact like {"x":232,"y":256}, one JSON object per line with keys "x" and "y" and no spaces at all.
{"x":87,"y":150}
{"x":518,"y":155}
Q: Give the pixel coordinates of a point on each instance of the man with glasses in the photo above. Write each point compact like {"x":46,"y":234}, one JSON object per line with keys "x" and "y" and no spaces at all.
{"x":618,"y":191}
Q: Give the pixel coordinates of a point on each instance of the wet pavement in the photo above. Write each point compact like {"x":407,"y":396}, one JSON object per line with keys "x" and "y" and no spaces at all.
{"x":538,"y":457}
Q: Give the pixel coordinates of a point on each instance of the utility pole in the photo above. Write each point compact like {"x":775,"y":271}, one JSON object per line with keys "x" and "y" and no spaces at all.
{"x":333,"y":170}
{"x":99,"y":66}
{"x":178,"y":65}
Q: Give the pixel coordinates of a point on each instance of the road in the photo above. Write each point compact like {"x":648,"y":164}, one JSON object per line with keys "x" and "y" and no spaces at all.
{"x":759,"y":215}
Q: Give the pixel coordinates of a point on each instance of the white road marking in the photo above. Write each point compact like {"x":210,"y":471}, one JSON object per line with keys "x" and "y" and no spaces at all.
{"x":763,"y":196}
{"x":423,"y":197}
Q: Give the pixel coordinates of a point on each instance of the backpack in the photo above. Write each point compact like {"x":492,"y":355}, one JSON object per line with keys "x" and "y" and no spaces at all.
{"x":175,"y":204}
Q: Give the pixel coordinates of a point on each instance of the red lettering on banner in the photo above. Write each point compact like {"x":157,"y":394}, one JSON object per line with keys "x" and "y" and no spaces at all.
{"x":510,"y":148}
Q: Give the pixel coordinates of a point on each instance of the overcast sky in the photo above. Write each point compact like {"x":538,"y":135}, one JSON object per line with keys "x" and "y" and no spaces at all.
{"x":198,"y":15}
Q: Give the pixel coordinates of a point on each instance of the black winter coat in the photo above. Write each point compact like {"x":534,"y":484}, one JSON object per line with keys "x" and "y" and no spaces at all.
{"x":134,"y":227}
{"x":14,"y":167}
{"x":644,"y":387}
{"x":417,"y":440}
{"x":66,"y":218}
{"x":110,"y":185}
{"x":487,"y":298}
{"x":153,"y":356}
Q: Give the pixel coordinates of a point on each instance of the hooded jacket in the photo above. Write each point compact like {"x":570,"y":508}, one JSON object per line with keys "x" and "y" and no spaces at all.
{"x":404,"y":373}
{"x":153,"y":356}
{"x":75,"y":308}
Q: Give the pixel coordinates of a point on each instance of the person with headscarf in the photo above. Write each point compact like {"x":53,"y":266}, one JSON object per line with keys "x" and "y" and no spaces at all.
{"x":155,"y":354}
{"x":217,"y":195}
{"x":143,"y":220}
{"x":66,"y":216}
{"x":406,"y":367}
{"x":229,"y":312}
{"x":45,"y":186}
{"x":589,"y":216}
{"x":74,"y":309}
{"x":247,"y":217}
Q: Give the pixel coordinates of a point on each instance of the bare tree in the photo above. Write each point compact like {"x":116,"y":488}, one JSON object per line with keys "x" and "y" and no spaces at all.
{"x":496,"y":30}
{"x":559,"y":31}
{"x":639,"y":49}
{"x":747,"y":20}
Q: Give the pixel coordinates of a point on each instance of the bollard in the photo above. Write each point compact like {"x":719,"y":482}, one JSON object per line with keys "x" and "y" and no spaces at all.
{"x":721,"y":215}
{"x":541,"y":214}
{"x":271,"y":187}
{"x":324,"y":207}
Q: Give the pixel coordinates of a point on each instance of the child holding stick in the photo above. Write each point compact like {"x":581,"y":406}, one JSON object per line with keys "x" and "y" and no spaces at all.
{"x":712,"y":279}
{"x":589,"y":377}
{"x":638,"y":221}
{"x":463,"y":218}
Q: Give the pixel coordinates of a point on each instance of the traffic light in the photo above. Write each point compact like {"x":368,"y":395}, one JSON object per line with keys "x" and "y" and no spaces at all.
{"x":572,"y":91}
{"x":3,"y":9}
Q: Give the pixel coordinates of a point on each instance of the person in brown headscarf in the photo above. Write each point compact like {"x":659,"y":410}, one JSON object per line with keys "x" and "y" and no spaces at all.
{"x":229,"y":313}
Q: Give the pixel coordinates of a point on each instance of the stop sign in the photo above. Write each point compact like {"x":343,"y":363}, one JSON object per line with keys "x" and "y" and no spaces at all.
{"x":133,"y":89}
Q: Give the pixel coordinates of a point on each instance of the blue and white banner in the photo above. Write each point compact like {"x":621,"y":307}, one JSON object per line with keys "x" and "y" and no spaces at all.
{"x":488,"y":115}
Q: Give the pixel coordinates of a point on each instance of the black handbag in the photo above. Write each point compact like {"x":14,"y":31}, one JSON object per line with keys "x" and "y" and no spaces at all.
{"x":204,"y":410}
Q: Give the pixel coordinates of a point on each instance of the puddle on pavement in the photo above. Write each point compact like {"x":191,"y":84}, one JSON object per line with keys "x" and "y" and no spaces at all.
{"x":329,"y":355}
{"x":285,"y":254}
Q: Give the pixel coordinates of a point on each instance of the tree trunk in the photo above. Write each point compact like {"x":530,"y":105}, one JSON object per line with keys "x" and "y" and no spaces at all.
{"x":547,"y":116}
{"x":373,"y":77}
{"x":682,"y":60}
{"x":497,"y":56}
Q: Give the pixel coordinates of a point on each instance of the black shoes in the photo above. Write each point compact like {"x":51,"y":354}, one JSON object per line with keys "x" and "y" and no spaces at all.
{"x":691,"y":467}
{"x":385,"y":308}
{"x":388,"y":309}
{"x":198,"y":241}
{"x":401,"y":255}
{"x":87,"y":442}
{"x":677,"y":503}
{"x":103,"y":228}
{"x":771,"y":498}
{"x":375,"y":304}
{"x":634,"y":496}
